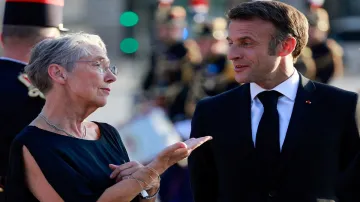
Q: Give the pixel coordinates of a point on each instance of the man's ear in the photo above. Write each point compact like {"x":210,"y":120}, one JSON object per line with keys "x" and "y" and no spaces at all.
{"x":287,"y":46}
{"x":57,"y":73}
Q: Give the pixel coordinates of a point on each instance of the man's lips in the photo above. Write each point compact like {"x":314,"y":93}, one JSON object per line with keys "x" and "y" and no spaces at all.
{"x":240,"y":68}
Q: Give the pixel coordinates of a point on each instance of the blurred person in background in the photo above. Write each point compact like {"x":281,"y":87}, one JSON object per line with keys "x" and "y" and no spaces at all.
{"x":61,"y":157}
{"x":172,"y":64}
{"x":215,"y":74}
{"x":173,"y":60}
{"x":279,"y":136}
{"x":158,"y":43}
{"x":326,"y":52}
{"x":25,"y":23}
{"x":305,"y":64}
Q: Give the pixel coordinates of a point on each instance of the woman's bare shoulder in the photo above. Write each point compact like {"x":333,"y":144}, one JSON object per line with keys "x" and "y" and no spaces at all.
{"x":36,"y":181}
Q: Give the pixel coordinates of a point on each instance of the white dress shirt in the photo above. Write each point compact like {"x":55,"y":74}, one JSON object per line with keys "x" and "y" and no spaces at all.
{"x":285,"y":105}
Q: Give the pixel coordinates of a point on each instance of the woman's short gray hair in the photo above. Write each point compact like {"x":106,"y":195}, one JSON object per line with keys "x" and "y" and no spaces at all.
{"x":64,"y":51}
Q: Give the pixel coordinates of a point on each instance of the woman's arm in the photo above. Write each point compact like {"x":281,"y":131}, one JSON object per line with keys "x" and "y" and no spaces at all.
{"x":36,"y":181}
{"x":130,"y":187}
{"x":168,"y":157}
{"x":142,"y":178}
{"x":123,"y":191}
{"x":38,"y":185}
{"x":124,"y":171}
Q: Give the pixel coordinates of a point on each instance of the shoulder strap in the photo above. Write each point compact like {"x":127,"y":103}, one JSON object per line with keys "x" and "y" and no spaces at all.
{"x":33,"y":92}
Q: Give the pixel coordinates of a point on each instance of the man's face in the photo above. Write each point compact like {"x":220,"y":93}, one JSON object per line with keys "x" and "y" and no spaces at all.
{"x":249,"y":50}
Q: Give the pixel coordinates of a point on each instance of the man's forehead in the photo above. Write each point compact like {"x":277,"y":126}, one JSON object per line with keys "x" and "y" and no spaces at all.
{"x":252,"y":27}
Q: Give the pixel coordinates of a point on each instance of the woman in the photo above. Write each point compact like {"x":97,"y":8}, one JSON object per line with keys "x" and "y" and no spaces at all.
{"x":62,"y":157}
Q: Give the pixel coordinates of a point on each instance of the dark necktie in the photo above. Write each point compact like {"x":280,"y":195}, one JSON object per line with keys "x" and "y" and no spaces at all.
{"x":267,"y":136}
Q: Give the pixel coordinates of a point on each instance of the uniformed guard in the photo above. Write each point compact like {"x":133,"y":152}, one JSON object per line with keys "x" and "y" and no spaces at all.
{"x":215,"y":74}
{"x":25,"y":23}
{"x":326,"y":52}
{"x":173,"y":64}
{"x":305,"y":64}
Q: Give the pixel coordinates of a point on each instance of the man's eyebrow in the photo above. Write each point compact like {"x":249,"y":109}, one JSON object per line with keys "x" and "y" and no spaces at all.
{"x":240,"y":38}
{"x":244,"y":38}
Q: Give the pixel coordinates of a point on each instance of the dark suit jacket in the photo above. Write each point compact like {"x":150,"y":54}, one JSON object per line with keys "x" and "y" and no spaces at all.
{"x":321,"y":142}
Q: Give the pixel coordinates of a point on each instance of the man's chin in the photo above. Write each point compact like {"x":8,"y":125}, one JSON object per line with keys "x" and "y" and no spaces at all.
{"x":241,"y":79}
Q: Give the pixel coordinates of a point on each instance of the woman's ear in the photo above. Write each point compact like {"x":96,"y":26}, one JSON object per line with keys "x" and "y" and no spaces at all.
{"x":57,"y":73}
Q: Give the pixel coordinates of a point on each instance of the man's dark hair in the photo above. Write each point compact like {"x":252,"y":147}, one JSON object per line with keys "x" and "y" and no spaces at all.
{"x":287,"y":20}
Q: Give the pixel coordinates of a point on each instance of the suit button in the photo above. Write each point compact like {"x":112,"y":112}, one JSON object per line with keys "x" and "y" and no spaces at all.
{"x":272,"y":194}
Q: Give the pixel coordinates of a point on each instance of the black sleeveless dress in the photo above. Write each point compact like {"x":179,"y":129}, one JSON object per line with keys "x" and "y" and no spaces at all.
{"x":77,"y":169}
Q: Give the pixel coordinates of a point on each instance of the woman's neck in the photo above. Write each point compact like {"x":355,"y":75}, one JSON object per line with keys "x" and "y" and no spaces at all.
{"x":66,"y":115}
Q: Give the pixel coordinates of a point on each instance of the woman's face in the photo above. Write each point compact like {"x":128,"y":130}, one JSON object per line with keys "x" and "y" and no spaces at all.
{"x":89,"y":82}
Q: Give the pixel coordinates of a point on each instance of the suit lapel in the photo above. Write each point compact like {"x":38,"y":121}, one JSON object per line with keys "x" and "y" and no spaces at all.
{"x":243,"y":114}
{"x":301,"y":114}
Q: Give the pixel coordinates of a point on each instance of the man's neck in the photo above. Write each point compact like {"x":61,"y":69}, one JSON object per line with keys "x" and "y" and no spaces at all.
{"x":21,"y":56}
{"x":280,"y":76}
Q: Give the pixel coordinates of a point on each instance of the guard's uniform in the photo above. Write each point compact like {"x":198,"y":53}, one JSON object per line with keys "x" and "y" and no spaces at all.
{"x":327,"y":53}
{"x":305,"y":64}
{"x":172,"y":67}
{"x":21,"y":102}
{"x":328,"y":60}
{"x":215,"y":74}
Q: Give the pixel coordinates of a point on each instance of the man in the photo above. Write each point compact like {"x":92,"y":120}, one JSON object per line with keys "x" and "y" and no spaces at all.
{"x":279,"y":136}
{"x":25,"y":23}
{"x":326,"y":52}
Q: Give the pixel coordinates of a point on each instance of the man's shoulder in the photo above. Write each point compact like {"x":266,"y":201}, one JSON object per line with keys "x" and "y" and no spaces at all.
{"x":13,"y":65}
{"x":16,"y":84}
{"x":326,"y":88}
{"x":333,"y":93}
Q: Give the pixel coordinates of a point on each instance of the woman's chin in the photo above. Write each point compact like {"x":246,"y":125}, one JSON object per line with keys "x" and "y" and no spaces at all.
{"x":101,"y":102}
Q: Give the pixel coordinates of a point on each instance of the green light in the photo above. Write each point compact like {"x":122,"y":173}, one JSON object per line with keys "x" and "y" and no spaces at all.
{"x":129,"y":19}
{"x":129,"y":45}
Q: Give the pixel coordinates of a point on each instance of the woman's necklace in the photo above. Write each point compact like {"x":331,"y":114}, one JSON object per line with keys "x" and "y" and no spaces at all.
{"x":59,"y":129}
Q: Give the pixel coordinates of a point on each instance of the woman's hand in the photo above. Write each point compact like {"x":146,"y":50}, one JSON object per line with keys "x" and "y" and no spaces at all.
{"x":126,"y":169}
{"x":166,"y":158}
{"x":176,"y":152}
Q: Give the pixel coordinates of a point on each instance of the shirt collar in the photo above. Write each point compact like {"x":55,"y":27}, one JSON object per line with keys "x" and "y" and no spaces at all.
{"x":13,"y":60}
{"x":288,"y":88}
